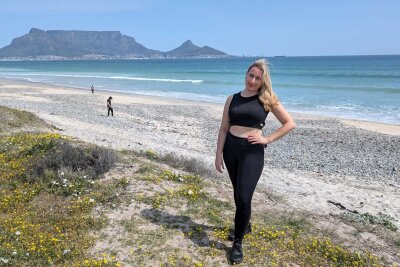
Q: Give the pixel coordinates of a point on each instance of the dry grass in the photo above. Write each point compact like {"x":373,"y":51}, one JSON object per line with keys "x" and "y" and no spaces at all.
{"x":14,"y":120}
{"x":191,"y":165}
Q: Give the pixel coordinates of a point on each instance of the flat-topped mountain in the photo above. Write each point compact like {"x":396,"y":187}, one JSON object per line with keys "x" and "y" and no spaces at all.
{"x":61,"y":44}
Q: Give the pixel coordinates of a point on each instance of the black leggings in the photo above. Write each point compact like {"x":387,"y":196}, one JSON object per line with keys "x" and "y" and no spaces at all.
{"x":244,"y":163}
{"x":110,"y":109}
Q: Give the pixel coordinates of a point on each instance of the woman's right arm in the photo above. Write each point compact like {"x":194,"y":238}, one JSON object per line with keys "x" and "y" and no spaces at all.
{"x":223,"y":130}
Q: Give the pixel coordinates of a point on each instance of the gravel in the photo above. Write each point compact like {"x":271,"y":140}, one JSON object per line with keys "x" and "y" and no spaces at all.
{"x":323,"y":146}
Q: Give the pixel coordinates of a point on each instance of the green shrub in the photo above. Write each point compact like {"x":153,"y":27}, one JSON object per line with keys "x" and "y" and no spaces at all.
{"x":91,"y":160}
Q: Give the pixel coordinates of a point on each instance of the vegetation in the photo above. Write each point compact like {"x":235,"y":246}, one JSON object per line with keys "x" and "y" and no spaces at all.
{"x":59,"y":198}
{"x":191,"y":165}
{"x":185,"y":208}
{"x":13,"y":119}
{"x":45,"y":200}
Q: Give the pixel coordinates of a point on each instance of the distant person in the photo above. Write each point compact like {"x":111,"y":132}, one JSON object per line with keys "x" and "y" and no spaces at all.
{"x":92,"y":89}
{"x":109,"y":107}
{"x":241,"y":144}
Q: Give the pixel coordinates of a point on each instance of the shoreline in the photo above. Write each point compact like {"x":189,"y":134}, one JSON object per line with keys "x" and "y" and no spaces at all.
{"x":382,"y":127}
{"x":324,"y":159}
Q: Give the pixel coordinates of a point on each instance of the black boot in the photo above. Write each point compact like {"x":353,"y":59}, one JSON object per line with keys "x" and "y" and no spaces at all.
{"x":231,"y":235}
{"x":236,"y":252}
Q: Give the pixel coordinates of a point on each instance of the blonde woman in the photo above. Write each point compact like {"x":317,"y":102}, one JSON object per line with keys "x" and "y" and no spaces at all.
{"x":241,"y":143}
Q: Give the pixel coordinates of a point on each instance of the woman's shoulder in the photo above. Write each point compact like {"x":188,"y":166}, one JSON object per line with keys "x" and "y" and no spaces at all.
{"x":229,"y":100}
{"x":234,"y":95}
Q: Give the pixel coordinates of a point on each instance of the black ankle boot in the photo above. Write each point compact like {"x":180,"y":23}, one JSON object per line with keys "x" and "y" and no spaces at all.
{"x":236,"y":252}
{"x":231,"y":235}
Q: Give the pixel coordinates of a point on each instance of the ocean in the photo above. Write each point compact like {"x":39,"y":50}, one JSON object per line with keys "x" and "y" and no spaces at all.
{"x":356,"y":87}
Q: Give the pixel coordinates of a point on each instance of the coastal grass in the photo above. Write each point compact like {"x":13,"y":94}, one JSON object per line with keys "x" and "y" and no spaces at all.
{"x":54,"y":212}
{"x":380,"y":220}
{"x":381,"y":225}
{"x":181,"y":208}
{"x":192,"y":165}
{"x":14,"y":119}
{"x":46,"y":208}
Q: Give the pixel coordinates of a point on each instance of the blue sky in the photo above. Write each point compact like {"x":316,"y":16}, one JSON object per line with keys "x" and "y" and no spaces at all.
{"x":258,"y":27}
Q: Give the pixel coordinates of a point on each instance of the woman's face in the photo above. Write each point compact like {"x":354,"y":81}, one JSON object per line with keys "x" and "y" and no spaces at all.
{"x":254,"y":79}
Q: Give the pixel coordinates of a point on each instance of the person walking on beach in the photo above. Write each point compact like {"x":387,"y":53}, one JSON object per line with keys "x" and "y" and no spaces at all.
{"x":92,"y":89}
{"x":241,"y":144}
{"x":109,"y":107}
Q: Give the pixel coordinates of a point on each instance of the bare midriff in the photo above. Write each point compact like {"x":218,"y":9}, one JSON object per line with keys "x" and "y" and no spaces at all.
{"x":243,"y":132}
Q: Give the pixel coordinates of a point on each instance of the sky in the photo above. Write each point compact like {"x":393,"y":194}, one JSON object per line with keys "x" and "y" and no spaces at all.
{"x":250,"y":28}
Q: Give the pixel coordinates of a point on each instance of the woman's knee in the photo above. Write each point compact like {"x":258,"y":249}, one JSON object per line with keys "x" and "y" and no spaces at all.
{"x":244,"y":200}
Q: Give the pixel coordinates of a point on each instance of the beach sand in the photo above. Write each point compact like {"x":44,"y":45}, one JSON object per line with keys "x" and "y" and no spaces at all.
{"x":354,"y":163}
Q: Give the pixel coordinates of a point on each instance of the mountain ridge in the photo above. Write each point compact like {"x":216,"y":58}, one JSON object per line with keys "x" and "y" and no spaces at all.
{"x":76,"y":44}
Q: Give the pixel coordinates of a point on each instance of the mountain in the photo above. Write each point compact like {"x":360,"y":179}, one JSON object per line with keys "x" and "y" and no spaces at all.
{"x":62,"y":44}
{"x":71,"y":44}
{"x":188,"y":49}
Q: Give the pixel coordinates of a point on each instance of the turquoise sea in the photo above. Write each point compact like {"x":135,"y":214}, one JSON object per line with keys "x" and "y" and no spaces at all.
{"x":359,"y":87}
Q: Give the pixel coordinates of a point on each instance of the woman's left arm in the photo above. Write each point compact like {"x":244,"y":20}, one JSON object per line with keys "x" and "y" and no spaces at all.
{"x":287,"y":125}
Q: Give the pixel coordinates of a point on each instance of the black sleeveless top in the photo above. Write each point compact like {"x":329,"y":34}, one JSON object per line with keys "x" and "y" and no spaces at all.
{"x":247,"y":111}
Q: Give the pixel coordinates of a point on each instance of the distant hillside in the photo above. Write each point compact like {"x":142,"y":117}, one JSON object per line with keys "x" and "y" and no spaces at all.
{"x":188,"y":49}
{"x":60,"y":44}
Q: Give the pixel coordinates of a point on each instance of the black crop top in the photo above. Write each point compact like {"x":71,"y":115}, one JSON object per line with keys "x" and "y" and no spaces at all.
{"x":247,"y":111}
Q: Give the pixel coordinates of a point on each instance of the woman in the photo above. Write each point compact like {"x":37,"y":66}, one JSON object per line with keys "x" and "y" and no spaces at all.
{"x":241,"y":143}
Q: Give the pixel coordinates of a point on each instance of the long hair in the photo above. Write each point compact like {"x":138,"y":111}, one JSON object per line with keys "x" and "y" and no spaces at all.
{"x":265,"y":94}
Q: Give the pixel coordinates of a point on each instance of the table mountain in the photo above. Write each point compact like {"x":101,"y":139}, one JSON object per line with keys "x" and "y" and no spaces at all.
{"x":62,"y":44}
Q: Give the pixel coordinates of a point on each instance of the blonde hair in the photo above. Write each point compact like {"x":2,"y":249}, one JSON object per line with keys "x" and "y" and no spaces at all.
{"x":265,"y":94}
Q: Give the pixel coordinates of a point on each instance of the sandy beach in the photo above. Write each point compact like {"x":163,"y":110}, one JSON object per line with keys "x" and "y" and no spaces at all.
{"x":354,"y":163}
